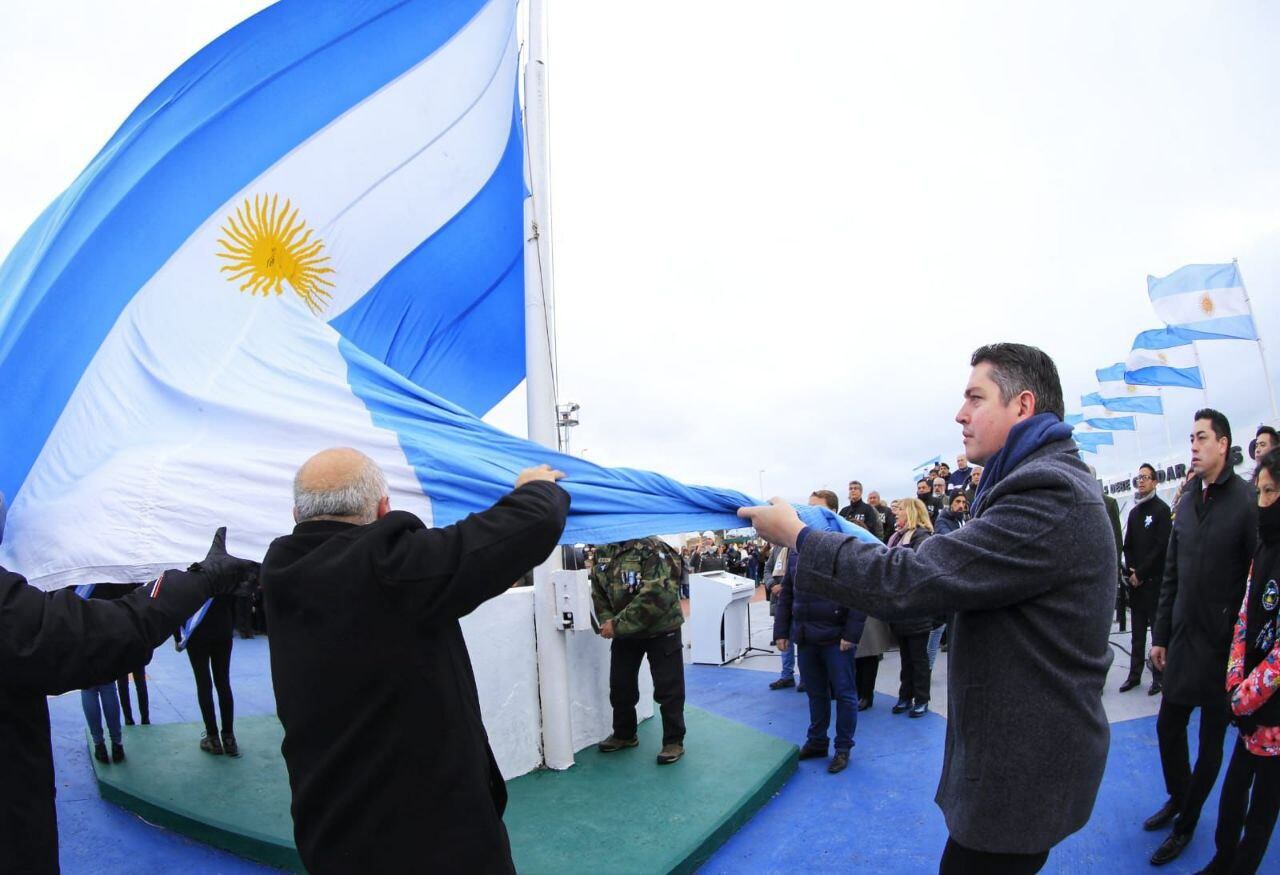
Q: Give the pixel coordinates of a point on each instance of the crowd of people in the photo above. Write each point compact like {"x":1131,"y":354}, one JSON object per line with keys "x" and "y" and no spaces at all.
{"x":978,"y":554}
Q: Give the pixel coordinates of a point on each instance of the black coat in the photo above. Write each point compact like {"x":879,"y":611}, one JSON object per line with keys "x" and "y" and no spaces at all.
{"x":1204,"y":580}
{"x":388,"y":759}
{"x":806,"y":618}
{"x":1146,"y":540}
{"x":915,"y":625}
{"x":860,"y":512}
{"x":51,"y":643}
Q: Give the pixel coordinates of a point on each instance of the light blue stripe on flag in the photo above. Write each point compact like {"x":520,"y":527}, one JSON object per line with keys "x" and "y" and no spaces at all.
{"x":1093,"y":399}
{"x":1136,"y":404}
{"x":1092,"y":440}
{"x":1193,"y":278}
{"x":1164,"y":338}
{"x":1186,"y":378}
{"x":1114,"y":423}
{"x":1073,"y":418}
{"x":1111,"y":374}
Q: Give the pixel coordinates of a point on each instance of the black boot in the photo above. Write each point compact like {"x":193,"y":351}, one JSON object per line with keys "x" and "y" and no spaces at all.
{"x":117,"y":752}
{"x":209,"y":743}
{"x":229,"y":745}
{"x":100,"y":752}
{"x":1130,"y":682}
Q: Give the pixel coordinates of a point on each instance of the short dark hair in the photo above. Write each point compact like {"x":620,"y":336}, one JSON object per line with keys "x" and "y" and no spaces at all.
{"x":855,"y":483}
{"x":1017,"y":368}
{"x":959,"y":496}
{"x":1149,"y":467}
{"x":944,"y":465}
{"x":828,"y":496}
{"x":926,"y":481}
{"x":1271,"y":464}
{"x":1218,"y":421}
{"x":1268,"y":430}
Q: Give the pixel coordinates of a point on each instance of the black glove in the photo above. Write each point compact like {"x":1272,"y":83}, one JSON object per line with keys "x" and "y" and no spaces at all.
{"x":225,"y":574}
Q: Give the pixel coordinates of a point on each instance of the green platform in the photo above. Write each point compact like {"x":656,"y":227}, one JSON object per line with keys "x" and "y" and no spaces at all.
{"x":610,"y":813}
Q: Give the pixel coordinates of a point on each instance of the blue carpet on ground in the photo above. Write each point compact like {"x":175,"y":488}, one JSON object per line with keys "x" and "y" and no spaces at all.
{"x":878,"y":816}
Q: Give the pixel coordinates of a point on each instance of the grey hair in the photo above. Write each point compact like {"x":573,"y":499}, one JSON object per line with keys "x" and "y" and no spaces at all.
{"x":358,"y":499}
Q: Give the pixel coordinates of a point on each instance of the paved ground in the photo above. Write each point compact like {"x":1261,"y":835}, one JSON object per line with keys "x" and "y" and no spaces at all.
{"x":878,"y":816}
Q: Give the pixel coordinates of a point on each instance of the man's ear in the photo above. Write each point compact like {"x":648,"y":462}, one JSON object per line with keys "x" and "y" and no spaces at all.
{"x":295,"y":515}
{"x":384,"y":506}
{"x":1026,"y":405}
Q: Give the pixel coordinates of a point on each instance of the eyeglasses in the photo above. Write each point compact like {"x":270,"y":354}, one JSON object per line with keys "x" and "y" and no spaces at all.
{"x":1142,"y":478}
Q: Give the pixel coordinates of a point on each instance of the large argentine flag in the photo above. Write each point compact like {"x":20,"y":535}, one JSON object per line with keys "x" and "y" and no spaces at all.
{"x":1208,"y":299}
{"x":1164,"y":357}
{"x":1121,"y":397}
{"x":309,"y":235}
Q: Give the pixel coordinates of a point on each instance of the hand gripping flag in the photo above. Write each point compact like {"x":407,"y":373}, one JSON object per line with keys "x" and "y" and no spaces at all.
{"x":309,"y":235}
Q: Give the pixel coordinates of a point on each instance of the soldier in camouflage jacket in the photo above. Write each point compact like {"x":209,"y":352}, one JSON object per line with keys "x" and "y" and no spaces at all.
{"x":635,"y":589}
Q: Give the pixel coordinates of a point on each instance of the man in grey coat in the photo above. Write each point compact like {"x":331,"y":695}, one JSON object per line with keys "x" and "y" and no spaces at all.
{"x":1027,"y":736}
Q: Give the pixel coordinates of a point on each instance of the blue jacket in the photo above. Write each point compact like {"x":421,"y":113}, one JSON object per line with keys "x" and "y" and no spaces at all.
{"x":815,"y":619}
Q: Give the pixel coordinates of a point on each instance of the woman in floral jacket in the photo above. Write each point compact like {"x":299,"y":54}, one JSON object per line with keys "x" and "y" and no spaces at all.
{"x":1253,"y":676}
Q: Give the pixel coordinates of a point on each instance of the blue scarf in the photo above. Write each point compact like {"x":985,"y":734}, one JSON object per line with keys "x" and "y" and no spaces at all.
{"x":1024,"y":439}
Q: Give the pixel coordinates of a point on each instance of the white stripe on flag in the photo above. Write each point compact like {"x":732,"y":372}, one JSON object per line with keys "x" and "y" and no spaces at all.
{"x":1191,"y":307}
{"x":1173,"y":357}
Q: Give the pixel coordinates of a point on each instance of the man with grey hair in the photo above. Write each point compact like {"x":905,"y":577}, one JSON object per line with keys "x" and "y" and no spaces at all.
{"x":388,"y":759}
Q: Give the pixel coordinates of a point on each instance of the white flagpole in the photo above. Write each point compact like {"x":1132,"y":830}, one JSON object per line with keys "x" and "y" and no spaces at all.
{"x":540,"y":384}
{"x":1164,"y":418}
{"x":1262,"y":354}
{"x":1204,"y":381}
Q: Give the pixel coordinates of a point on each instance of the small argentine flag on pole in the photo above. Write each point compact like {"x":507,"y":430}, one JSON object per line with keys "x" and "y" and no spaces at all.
{"x":1164,"y":357}
{"x":1210,"y":302}
{"x":1121,"y":397}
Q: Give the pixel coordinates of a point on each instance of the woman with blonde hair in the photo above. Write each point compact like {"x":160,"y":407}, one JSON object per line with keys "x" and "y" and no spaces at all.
{"x":914,"y":527}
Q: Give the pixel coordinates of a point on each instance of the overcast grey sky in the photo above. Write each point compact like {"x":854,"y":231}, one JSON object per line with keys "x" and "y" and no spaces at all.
{"x":780,"y":229}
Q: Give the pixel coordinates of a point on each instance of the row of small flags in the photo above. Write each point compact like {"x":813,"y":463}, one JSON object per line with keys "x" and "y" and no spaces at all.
{"x":1198,"y":302}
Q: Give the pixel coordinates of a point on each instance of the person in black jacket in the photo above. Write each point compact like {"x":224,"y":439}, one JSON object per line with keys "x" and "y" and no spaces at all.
{"x":52,"y":642}
{"x":388,"y":760}
{"x":888,"y":522}
{"x":913,"y":632}
{"x":209,"y":651}
{"x":1215,"y":530}
{"x":826,"y":637}
{"x":860,"y":513}
{"x":1146,"y":539}
{"x":954,"y":516}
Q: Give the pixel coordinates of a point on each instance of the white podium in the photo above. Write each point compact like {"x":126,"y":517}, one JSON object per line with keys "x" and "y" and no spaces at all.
{"x":718,"y":604}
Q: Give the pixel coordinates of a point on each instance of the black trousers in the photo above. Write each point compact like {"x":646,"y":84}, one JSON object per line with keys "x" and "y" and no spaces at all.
{"x":865,"y":670}
{"x":144,"y":702}
{"x":959,"y":860}
{"x":1144,"y":618}
{"x":211,"y":664}
{"x":915,"y":675}
{"x":666,"y":665}
{"x":1189,"y":788}
{"x":1238,"y":810}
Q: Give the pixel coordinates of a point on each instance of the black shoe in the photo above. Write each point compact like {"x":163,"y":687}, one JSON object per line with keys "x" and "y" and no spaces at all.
{"x":782,"y":683}
{"x":210,"y":744}
{"x":919,"y":709}
{"x":128,"y":720}
{"x":903,"y":705}
{"x":800,"y":687}
{"x":1163,"y":817}
{"x":1154,"y":689}
{"x":117,"y":752}
{"x":229,"y":746}
{"x":613,"y":743}
{"x":1129,"y":683}
{"x":1215,"y":867}
{"x":100,"y":752}
{"x":1172,"y":847}
{"x":809,"y":752}
{"x":838,"y":762}
{"x":864,"y":704}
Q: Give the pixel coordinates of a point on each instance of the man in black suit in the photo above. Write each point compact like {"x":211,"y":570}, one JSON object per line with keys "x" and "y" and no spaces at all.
{"x":388,"y":759}
{"x":1215,"y":531}
{"x":1146,"y":538}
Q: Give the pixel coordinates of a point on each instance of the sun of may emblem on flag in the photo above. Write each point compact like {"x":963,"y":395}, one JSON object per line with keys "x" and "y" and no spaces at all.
{"x":1206,"y":304}
{"x":267,"y":245}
